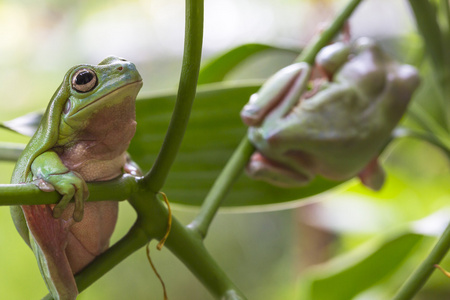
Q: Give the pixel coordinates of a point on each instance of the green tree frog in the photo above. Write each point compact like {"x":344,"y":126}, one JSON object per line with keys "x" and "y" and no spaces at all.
{"x":331,"y":120}
{"x":83,"y":137}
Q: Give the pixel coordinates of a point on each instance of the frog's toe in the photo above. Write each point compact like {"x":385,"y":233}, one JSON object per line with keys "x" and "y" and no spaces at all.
{"x":78,"y":214}
{"x":262,"y":168}
{"x":62,"y":205}
{"x":80,"y":195}
{"x":44,"y":185}
{"x":72,"y":186}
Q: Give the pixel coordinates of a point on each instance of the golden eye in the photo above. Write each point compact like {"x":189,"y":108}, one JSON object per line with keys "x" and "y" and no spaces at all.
{"x":84,"y":80}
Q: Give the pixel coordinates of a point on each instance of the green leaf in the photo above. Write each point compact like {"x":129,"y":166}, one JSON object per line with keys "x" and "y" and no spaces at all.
{"x":214,"y":131}
{"x":217,"y":68}
{"x":345,"y":277}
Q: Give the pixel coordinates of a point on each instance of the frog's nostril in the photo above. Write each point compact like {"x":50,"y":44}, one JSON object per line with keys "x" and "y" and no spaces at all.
{"x":120,"y":68}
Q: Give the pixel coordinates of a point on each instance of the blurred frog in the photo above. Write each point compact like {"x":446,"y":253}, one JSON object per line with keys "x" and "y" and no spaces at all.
{"x":332,"y":120}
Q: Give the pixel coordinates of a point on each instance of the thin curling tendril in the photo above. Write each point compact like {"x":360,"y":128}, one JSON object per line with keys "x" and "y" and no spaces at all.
{"x":169,"y":223}
{"x":161,"y":244}
{"x":446,"y":273}
{"x":156,"y":272}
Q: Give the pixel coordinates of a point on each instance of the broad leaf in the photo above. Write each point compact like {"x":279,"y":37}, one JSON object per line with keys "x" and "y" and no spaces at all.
{"x":345,"y":277}
{"x":26,"y":124}
{"x":217,"y":68}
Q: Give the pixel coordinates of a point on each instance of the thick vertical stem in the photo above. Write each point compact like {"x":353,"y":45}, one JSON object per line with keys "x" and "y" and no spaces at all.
{"x":435,"y":43}
{"x":155,"y":179}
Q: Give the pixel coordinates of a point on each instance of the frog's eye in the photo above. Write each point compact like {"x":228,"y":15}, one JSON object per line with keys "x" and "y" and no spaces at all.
{"x":84,"y":80}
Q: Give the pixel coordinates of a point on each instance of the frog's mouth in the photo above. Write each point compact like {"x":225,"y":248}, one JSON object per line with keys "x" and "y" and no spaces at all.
{"x":115,"y":96}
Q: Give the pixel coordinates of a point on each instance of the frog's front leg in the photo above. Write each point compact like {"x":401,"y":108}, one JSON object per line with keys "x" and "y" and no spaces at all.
{"x":52,"y":174}
{"x":277,"y":95}
{"x":131,"y":167}
{"x":276,"y":173}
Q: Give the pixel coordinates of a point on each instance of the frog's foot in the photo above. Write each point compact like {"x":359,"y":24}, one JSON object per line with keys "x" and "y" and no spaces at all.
{"x":69,"y":185}
{"x":43,"y":185}
{"x":318,"y":84}
{"x":346,"y":33}
{"x":372,"y":175}
{"x":288,"y":81}
{"x":131,"y":167}
{"x":262,"y":168}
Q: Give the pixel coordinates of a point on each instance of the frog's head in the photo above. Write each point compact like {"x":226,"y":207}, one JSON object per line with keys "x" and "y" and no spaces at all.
{"x":98,"y":96}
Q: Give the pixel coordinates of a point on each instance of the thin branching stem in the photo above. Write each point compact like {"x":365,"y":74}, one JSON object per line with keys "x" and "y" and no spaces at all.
{"x":424,"y":271}
{"x":309,"y":53}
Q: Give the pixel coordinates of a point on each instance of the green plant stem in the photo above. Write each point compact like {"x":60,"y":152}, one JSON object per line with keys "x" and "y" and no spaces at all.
{"x":445,"y":7}
{"x":240,"y":157}
{"x":10,"y":151}
{"x":29,"y":194}
{"x":309,"y":53}
{"x":427,"y":25}
{"x":424,"y":271}
{"x":200,"y":262}
{"x":418,"y":114}
{"x":186,"y":246}
{"x":221,"y":187}
{"x":435,"y":43}
{"x":156,"y":178}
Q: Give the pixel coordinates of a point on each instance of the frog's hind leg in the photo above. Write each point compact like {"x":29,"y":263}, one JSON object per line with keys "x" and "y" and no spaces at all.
{"x":372,"y":175}
{"x":48,"y":237}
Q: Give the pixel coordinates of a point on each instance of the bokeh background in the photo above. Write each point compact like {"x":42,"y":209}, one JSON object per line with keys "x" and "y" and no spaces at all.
{"x":264,"y":252}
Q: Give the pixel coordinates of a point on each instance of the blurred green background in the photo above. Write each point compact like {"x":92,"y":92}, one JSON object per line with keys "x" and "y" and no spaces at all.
{"x":268,"y":252}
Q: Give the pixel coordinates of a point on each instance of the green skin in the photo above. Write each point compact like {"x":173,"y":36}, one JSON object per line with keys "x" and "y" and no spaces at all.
{"x":83,"y":137}
{"x":337,"y":128}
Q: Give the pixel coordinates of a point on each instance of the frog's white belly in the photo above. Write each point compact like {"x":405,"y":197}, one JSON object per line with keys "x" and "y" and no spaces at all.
{"x":101,"y":170}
